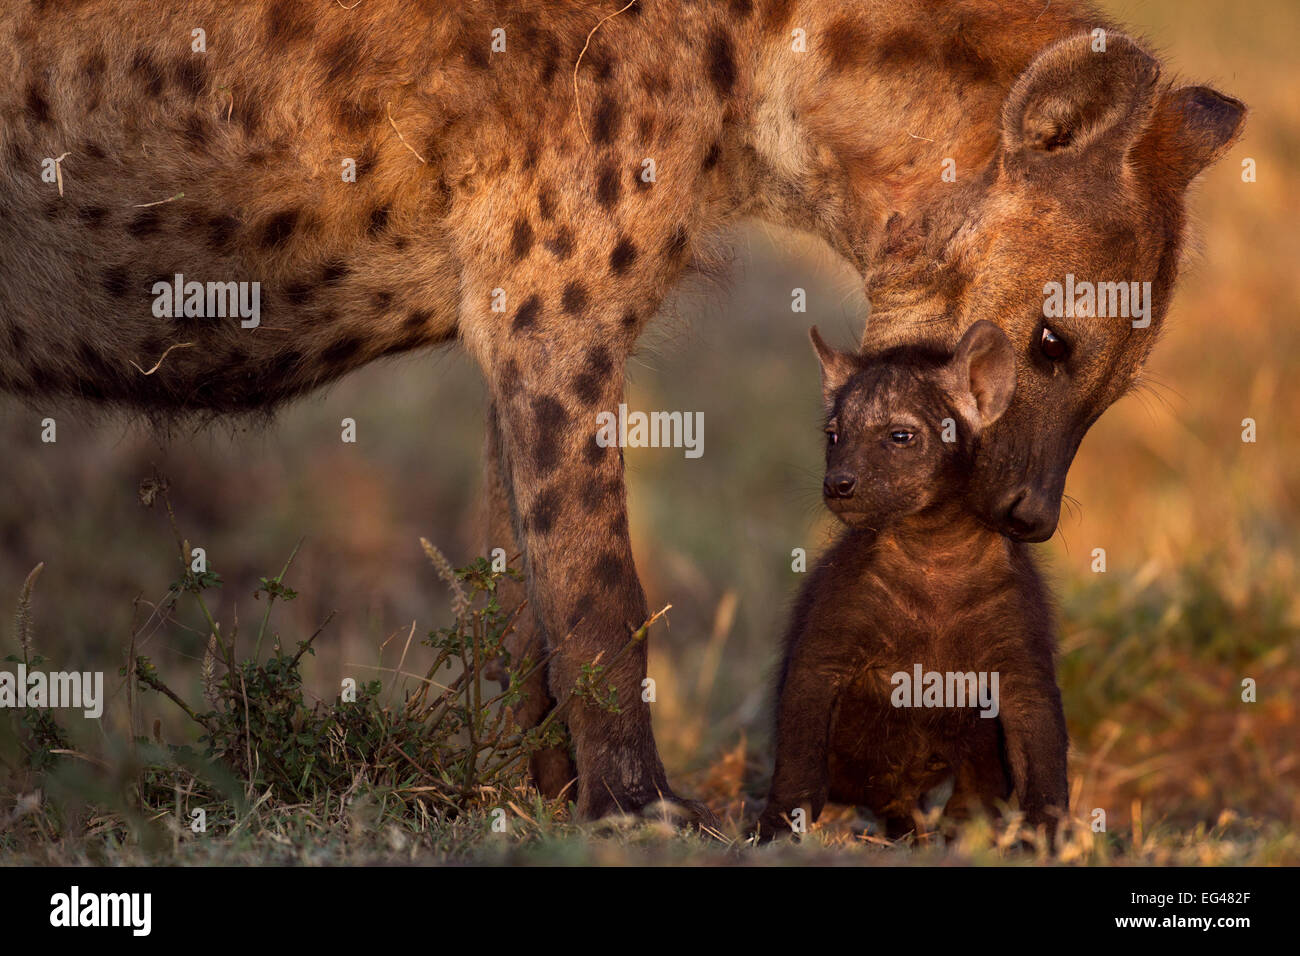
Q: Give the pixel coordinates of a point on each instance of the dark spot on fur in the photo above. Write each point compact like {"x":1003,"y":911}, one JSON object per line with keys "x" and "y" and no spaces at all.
{"x":588,"y":384}
{"x":92,"y":216}
{"x":602,"y":66}
{"x":286,"y":22}
{"x":116,"y":281}
{"x":549,"y":420}
{"x":711,"y":157}
{"x":144,"y":224}
{"x":300,"y":292}
{"x":475,"y":49}
{"x":545,"y":510}
{"x":546,"y":203}
{"x":381,"y":300}
{"x":610,"y":570}
{"x":721,"y":62}
{"x":417,"y":320}
{"x":93,"y":67}
{"x":279,"y":228}
{"x":658,"y":84}
{"x":355,"y":116}
{"x":607,"y":185}
{"x":368,"y":159}
{"x":638,"y":179}
{"x":618,"y":524}
{"x":579,"y":612}
{"x":189,"y":76}
{"x":526,"y":315}
{"x":622,"y":256}
{"x":344,"y":351}
{"x":549,"y":55}
{"x":283,"y":365}
{"x":846,"y":42}
{"x":522,"y":239}
{"x":334,"y":271}
{"x":605,"y":122}
{"x":630,"y":320}
{"x":574,"y":299}
{"x":561,"y":244}
{"x":94,"y":150}
{"x":221,"y":232}
{"x":378,"y":220}
{"x":38,"y":107}
{"x":963,"y":59}
{"x":342,"y":57}
{"x":146,"y":70}
{"x":594,"y":452}
{"x":676,"y":244}
{"x":901,"y":51}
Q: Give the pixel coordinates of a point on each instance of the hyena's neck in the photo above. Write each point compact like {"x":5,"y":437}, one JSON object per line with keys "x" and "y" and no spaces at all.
{"x":860,"y":127}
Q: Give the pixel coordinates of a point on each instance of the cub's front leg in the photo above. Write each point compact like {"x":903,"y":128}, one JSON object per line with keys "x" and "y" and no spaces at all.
{"x":818,"y":662}
{"x":1033,"y":724}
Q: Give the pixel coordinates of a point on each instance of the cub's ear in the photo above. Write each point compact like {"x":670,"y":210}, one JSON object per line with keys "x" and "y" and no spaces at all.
{"x":837,"y":367}
{"x":1085,"y":98}
{"x":981,"y":376}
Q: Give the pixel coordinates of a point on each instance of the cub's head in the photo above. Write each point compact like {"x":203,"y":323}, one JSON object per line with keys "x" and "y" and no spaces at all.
{"x":901,"y":426}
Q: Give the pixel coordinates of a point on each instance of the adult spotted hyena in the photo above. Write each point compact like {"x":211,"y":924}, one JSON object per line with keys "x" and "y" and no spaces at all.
{"x":505,"y":201}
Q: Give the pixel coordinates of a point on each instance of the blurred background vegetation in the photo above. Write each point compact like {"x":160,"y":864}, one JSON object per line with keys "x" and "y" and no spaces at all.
{"x":1200,"y":529}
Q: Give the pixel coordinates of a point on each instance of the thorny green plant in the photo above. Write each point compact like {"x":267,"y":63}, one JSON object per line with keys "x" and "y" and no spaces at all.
{"x":442,"y":750}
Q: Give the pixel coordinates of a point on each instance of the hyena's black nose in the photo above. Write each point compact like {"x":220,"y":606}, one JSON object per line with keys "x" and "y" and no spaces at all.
{"x":839,"y":485}
{"x":1030,"y":516}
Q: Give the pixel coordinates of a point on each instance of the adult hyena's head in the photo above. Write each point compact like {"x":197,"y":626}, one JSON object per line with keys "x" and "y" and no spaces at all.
{"x":1044,"y":195}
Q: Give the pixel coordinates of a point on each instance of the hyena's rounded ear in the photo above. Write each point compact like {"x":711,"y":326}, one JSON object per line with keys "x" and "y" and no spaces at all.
{"x":1087,"y":97}
{"x":837,"y":367}
{"x":1192,"y":127}
{"x":982,"y":375}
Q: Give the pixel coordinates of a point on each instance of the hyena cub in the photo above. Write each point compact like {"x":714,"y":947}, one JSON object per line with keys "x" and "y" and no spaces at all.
{"x":919,"y":664}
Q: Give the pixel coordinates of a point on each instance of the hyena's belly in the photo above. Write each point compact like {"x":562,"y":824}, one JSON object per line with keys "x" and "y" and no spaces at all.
{"x":305,"y":234}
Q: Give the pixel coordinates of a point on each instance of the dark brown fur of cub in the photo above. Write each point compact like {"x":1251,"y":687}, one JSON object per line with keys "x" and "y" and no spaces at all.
{"x":916,"y":579}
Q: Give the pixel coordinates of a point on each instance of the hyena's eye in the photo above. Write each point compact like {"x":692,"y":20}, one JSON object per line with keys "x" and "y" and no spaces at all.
{"x":832,"y":437}
{"x":1053,"y":346}
{"x":901,"y":436}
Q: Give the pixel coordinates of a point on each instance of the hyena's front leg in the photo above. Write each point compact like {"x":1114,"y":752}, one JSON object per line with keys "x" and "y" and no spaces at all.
{"x":551,"y":768}
{"x":550,"y":375}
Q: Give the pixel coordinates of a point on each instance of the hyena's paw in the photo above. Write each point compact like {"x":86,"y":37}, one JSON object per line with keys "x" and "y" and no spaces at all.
{"x":662,"y":805}
{"x":771,"y":824}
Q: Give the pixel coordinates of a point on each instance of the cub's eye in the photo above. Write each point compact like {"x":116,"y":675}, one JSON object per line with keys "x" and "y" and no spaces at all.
{"x":1053,"y":346}
{"x":832,"y":437}
{"x":901,"y":436}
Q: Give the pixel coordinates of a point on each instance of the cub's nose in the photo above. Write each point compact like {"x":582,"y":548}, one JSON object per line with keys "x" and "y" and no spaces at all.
{"x":839,"y":485}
